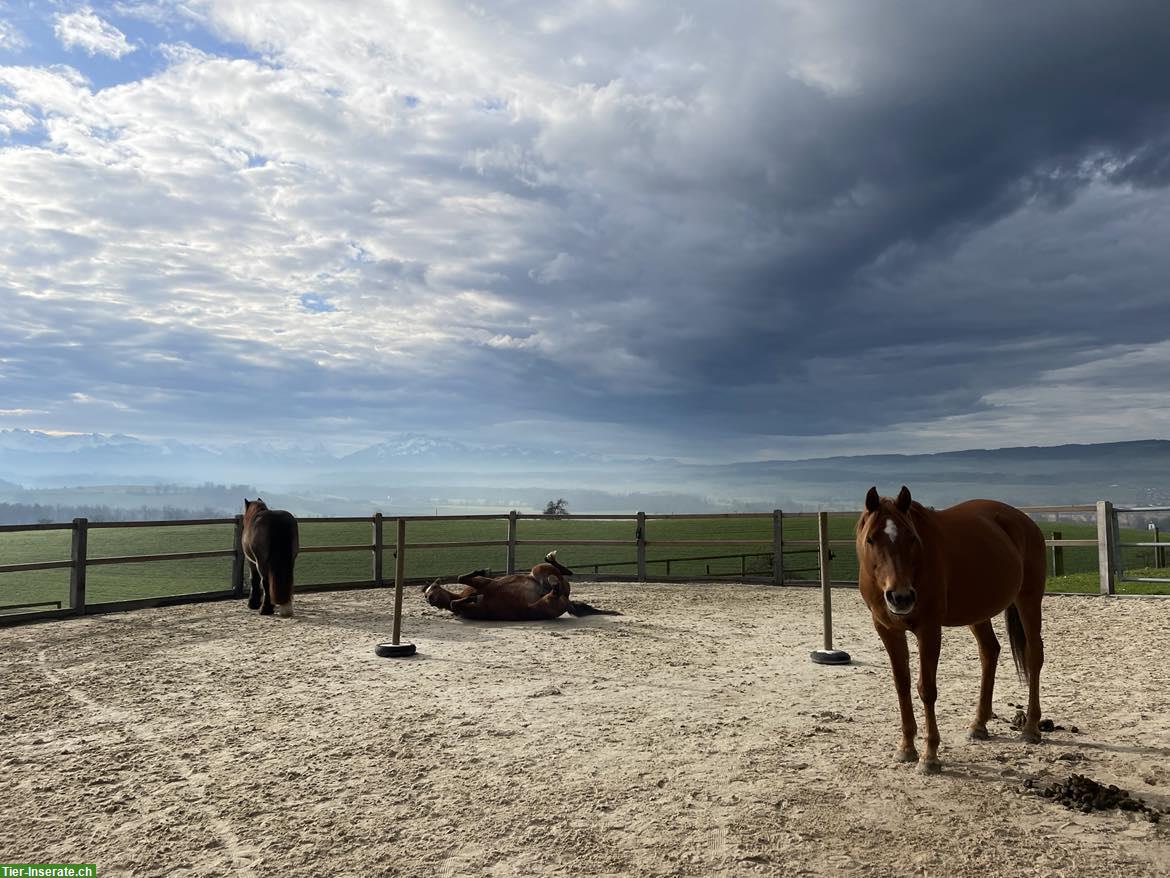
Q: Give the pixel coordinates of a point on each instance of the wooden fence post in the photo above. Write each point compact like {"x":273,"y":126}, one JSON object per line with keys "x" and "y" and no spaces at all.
{"x":777,"y":547}
{"x":399,"y":577}
{"x":77,"y":571}
{"x":512,"y":518}
{"x":378,"y":550}
{"x":1115,"y":535}
{"x":1057,"y":555}
{"x":1106,"y":545}
{"x":238,"y":558}
{"x":640,"y":536}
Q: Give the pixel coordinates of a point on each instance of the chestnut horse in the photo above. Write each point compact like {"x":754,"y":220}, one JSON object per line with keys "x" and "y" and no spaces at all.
{"x":920,"y":569}
{"x":542,"y":593}
{"x":270,"y":542}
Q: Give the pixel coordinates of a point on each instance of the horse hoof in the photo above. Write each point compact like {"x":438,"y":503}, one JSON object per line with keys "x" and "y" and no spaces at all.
{"x":1029,"y":737}
{"x":253,"y":605}
{"x":266,"y":611}
{"x":977,"y":734}
{"x":929,"y":766}
{"x":910,"y":755}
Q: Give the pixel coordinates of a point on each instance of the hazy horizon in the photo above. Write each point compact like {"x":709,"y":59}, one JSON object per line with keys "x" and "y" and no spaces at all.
{"x":421,"y":476}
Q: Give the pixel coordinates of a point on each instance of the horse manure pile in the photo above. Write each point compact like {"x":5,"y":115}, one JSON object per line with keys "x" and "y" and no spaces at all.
{"x":1085,"y":794}
{"x":1046,"y":725}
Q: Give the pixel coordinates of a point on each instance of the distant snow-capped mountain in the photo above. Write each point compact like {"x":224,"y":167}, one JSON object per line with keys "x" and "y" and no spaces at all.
{"x":37,"y":441}
{"x":420,"y":450}
{"x":28,"y":456}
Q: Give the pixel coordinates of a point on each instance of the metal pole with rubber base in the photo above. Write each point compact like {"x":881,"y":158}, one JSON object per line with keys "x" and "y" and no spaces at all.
{"x":827,"y":655}
{"x":396,"y":648}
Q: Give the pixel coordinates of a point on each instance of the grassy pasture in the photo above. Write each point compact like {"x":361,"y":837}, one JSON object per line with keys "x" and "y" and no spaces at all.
{"x":158,"y":578}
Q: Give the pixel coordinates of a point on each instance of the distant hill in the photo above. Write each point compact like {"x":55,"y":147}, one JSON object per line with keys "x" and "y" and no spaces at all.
{"x":441,"y":472}
{"x":1132,"y":473}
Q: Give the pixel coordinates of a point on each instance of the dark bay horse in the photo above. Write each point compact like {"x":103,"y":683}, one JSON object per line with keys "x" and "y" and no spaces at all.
{"x":920,"y":569}
{"x":270,"y":542}
{"x":542,"y":593}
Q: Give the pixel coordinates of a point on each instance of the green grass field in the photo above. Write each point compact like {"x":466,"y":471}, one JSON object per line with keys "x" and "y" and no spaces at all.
{"x":159,"y":578}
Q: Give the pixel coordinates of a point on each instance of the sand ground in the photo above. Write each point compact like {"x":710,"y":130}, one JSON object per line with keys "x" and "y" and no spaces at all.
{"x":691,"y":736}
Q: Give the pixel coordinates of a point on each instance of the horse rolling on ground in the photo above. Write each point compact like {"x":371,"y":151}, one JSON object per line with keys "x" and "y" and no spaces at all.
{"x":542,"y":593}
{"x":270,"y":542}
{"x":921,"y":569}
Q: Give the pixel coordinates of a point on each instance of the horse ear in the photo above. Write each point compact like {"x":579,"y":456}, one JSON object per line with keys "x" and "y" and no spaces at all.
{"x":871,"y":499}
{"x":903,"y":501}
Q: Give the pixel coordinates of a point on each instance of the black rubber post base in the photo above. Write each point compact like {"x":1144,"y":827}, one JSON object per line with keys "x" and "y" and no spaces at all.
{"x":395,"y":650}
{"x":830,"y":657}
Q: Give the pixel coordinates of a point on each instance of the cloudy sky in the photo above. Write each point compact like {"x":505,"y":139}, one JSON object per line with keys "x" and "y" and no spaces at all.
{"x":712,"y":230}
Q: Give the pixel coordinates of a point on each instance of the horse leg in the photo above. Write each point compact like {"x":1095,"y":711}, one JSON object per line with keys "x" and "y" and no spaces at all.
{"x":549,"y":605}
{"x":1029,"y":610}
{"x":266,"y":607}
{"x":464,"y":603}
{"x":473,"y":605}
{"x":895,"y":643}
{"x":988,"y":658}
{"x":929,"y":645}
{"x":255,"y":589}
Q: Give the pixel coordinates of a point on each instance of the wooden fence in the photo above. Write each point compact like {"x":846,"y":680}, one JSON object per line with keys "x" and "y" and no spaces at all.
{"x":777,"y":547}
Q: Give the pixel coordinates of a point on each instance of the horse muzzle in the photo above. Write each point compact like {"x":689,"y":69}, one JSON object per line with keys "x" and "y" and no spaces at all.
{"x":900,"y":601}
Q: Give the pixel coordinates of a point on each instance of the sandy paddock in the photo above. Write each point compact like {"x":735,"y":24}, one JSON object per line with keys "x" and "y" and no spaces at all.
{"x":691,"y":736}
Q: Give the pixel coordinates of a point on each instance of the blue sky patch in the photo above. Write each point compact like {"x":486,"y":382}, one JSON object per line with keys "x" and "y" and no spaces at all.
{"x":316,"y":303}
{"x":40,"y":46}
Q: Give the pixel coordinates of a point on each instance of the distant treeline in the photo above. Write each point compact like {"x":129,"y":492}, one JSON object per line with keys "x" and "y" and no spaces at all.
{"x":37,"y":513}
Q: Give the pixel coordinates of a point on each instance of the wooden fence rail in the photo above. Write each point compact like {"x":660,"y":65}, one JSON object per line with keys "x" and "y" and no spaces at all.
{"x":778,"y":547}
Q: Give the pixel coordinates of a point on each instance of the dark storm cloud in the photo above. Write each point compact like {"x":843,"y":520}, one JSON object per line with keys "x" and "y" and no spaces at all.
{"x":953,"y":121}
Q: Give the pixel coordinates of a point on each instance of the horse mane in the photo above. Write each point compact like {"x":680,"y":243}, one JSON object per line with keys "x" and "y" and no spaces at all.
{"x":253,"y":507}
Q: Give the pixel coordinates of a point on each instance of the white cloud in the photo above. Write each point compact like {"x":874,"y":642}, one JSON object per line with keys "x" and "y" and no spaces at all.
{"x":11,"y":39}
{"x":86,"y":31}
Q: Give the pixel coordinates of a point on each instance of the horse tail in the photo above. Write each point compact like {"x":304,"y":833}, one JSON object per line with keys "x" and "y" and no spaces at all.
{"x":1019,"y":640}
{"x":580,"y":608}
{"x":280,"y":578}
